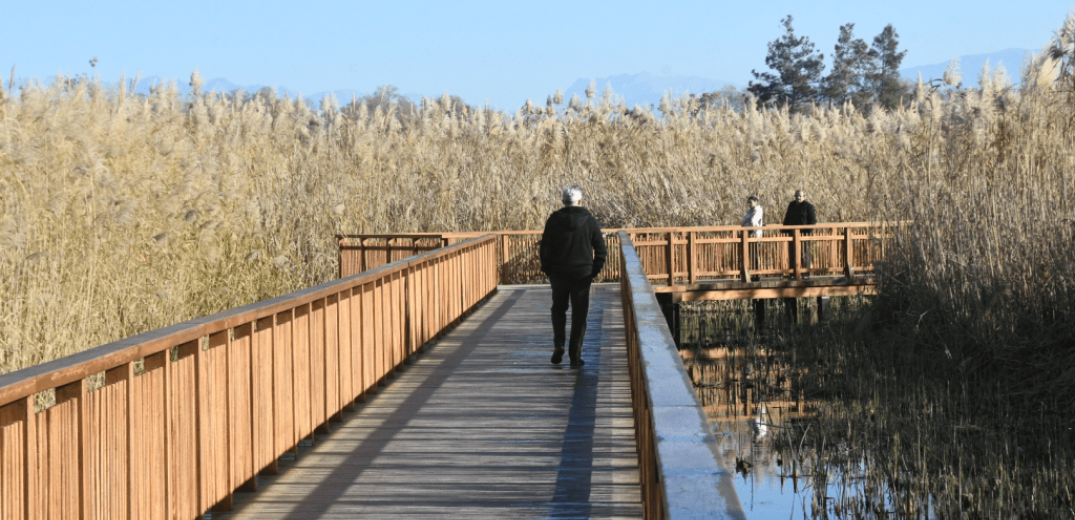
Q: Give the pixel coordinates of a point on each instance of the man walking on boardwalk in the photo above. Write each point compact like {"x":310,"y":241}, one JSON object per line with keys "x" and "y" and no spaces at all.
{"x":573,"y":252}
{"x":800,"y":213}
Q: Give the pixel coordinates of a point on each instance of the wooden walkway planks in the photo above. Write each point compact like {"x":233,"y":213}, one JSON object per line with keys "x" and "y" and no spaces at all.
{"x":480,"y":426}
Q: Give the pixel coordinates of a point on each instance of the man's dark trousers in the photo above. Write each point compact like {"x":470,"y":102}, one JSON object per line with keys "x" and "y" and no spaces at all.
{"x":577,"y":292}
{"x":806,"y":256}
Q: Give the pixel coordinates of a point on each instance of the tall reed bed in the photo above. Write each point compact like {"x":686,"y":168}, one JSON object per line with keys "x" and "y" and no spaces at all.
{"x":121,"y":212}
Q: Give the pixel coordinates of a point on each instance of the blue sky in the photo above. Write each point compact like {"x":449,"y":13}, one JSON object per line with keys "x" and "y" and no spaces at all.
{"x":497,"y":51}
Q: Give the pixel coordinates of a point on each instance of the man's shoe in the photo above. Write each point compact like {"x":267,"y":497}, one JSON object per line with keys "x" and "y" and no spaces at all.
{"x":557,"y":356}
{"x":576,"y":363}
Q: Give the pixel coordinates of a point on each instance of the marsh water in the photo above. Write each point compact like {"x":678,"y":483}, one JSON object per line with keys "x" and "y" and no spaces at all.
{"x":755,"y":393}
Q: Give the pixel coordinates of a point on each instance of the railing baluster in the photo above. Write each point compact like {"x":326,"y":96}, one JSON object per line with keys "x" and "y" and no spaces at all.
{"x":670,"y":260}
{"x":200,"y":423}
{"x":31,"y":489}
{"x":226,"y":456}
{"x":408,"y":314}
{"x":395,"y":358}
{"x":692,"y":274}
{"x":849,"y":253}
{"x":378,"y":336}
{"x":353,"y":317}
{"x":261,"y":357}
{"x":744,"y":256}
{"x":368,"y":383}
{"x":796,"y":257}
{"x":282,"y":389}
{"x":124,"y":374}
{"x":243,"y":410}
{"x":300,"y":339}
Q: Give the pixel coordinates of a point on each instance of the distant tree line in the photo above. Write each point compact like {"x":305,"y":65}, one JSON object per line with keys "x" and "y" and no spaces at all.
{"x":863,"y":74}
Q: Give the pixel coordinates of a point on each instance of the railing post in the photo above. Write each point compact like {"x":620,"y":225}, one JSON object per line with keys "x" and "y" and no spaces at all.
{"x":223,"y":340}
{"x":77,"y":392}
{"x":692,"y":275}
{"x":200,"y":426}
{"x":29,"y":459}
{"x":165,"y":358}
{"x":833,"y":249}
{"x":245,"y":333}
{"x":744,"y":255}
{"x":849,"y":269}
{"x":362,"y":255}
{"x":125,"y":374}
{"x":796,"y":257}
{"x":505,"y":254}
{"x":670,"y":259}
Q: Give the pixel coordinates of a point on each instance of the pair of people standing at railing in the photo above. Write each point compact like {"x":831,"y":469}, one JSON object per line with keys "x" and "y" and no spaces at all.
{"x":799,"y":213}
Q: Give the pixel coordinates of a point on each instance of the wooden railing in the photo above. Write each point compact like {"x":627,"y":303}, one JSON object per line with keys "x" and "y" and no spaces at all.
{"x":189,"y":413}
{"x":731,"y":253}
{"x":678,"y":457}
{"x":696,"y":253}
{"x":358,"y":253}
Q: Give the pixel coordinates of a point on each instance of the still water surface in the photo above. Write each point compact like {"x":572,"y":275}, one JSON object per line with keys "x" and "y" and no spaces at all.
{"x":753,"y":398}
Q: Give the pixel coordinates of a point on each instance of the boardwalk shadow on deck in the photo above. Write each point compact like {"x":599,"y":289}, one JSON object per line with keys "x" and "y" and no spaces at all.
{"x":573,"y":481}
{"x":489,"y":444}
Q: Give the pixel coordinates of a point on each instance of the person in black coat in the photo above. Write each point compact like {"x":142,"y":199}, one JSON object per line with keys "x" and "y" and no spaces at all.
{"x":573,"y":252}
{"x":800,"y":213}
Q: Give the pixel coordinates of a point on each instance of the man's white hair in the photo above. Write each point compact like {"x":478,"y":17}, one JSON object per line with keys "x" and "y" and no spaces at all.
{"x":572,"y":195}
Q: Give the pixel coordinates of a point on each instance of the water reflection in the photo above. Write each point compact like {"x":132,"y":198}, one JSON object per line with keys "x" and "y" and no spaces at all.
{"x":751,"y":385}
{"x":748,"y":397}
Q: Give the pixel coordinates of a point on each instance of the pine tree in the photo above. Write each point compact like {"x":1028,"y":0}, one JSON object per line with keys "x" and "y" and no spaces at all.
{"x":887,"y":88}
{"x":797,"y":71}
{"x":851,"y":66}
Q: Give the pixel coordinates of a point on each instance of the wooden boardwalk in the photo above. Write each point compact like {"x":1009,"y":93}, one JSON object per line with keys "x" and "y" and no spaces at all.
{"x":481,"y":425}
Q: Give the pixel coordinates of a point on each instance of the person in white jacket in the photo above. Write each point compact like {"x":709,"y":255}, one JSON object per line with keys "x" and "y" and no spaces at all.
{"x":754,"y":218}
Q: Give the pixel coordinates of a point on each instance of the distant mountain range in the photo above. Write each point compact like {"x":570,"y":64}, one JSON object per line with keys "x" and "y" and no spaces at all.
{"x":643,"y":88}
{"x":223,"y":85}
{"x":971,"y":65}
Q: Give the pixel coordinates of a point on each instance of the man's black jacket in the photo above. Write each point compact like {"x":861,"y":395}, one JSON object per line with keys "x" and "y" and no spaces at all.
{"x":572,"y":245}
{"x":800,"y":214}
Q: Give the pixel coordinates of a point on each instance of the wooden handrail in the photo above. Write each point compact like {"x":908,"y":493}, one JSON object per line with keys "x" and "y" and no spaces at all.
{"x":354,"y":250}
{"x":632,"y":231}
{"x":674,"y":255}
{"x":220,"y":398}
{"x":678,"y":456}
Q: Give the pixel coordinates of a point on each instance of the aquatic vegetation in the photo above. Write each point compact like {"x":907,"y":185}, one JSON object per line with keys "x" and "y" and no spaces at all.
{"x":858,"y":424}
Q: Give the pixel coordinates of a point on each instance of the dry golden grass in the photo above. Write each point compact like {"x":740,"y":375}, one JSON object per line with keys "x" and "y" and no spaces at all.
{"x":121,"y":213}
